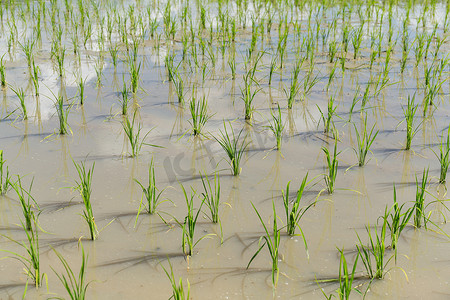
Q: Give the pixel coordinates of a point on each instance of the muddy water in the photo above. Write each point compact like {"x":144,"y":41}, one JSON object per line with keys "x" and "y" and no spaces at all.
{"x":127,"y":260}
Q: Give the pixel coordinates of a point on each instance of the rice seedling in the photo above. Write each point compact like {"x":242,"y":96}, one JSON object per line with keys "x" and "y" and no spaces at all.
{"x":332,"y":165}
{"x":124,"y":98}
{"x":199,"y":114}
{"x":20,"y":93}
{"x":357,"y":39}
{"x":59,"y":55}
{"x":294,"y":212}
{"x":419,"y":204}
{"x":113,"y":51}
{"x":134,"y":70}
{"x":178,"y":291}
{"x":364,"y":141}
{"x":190,"y":222}
{"x":35,"y":78}
{"x":133,"y":134}
{"x":5,"y":178}
{"x":2,"y":72}
{"x":443,"y":157}
{"x":63,"y":114}
{"x":31,"y":260}
{"x":27,"y":49}
{"x":233,"y":147}
{"x":272,"y":69}
{"x":327,"y":119}
{"x":81,"y":85}
{"x":74,"y":285}
{"x":409,"y":114}
{"x":179,"y":87}
{"x":397,"y":221}
{"x":27,"y":202}
{"x":374,"y":251}
{"x":294,"y":88}
{"x":248,"y":94}
{"x":211,"y":196}
{"x":277,"y":126}
{"x":346,"y":278}
{"x":84,"y":187}
{"x":272,"y":242}
{"x":150,"y":192}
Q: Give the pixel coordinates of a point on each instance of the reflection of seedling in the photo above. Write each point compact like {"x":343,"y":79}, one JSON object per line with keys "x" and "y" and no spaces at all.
{"x":234,"y":150}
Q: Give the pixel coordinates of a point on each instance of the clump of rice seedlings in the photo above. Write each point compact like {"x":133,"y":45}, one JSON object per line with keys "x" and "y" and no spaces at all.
{"x":332,"y":164}
{"x":5,"y":178}
{"x":272,"y":69}
{"x":150,"y":192}
{"x":346,"y":278}
{"x":113,"y":51}
{"x":211,"y":196}
{"x":364,"y":141}
{"x":63,"y":114}
{"x":233,"y":147}
{"x":356,"y":40}
{"x":179,"y":87}
{"x":409,"y":114}
{"x":31,"y":260}
{"x":135,"y":70}
{"x":332,"y":50}
{"x":190,"y":222}
{"x":20,"y":93}
{"x":294,"y":88}
{"x":331,"y":76}
{"x":171,"y":70}
{"x":59,"y":55}
{"x":75,"y":286}
{"x":2,"y":73}
{"x":133,"y":134}
{"x":81,"y":85}
{"x":248,"y":95}
{"x":199,"y":114}
{"x":84,"y":187}
{"x":309,"y":81}
{"x":444,"y":157}
{"x":27,"y":202}
{"x":419,"y":204}
{"x":294,"y":212}
{"x":327,"y":119}
{"x":398,"y":220}
{"x":272,"y":242}
{"x":27,"y":49}
{"x":35,"y":78}
{"x":124,"y":98}
{"x":178,"y":291}
{"x":277,"y":126}
{"x":354,"y":101}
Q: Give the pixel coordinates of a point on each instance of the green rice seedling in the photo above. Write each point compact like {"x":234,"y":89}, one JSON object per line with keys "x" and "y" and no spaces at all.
{"x":332,"y":164}
{"x":327,"y":119}
{"x":277,"y":126}
{"x":35,"y":78}
{"x":309,"y":81}
{"x":84,"y":187}
{"x":179,"y":87}
{"x":81,"y":85}
{"x":75,"y":286}
{"x":124,"y":98}
{"x":31,"y":261}
{"x":443,"y":157}
{"x":294,"y":212}
{"x":354,"y":101}
{"x":27,"y":49}
{"x":27,"y":202}
{"x":331,"y":76}
{"x":364,"y":141}
{"x":150,"y":192}
{"x":199,"y":114}
{"x":419,"y":204}
{"x":374,"y":251}
{"x":2,"y":72}
{"x":356,"y":40}
{"x":190,"y":222}
{"x":332,"y":50}
{"x":63,"y":114}
{"x":211,"y":196}
{"x":272,"y":242}
{"x":178,"y":291}
{"x":113,"y":51}
{"x":293,"y":91}
{"x":232,"y":65}
{"x":409,"y":114}
{"x":346,"y":278}
{"x":397,"y":221}
{"x":272,"y":69}
{"x":133,"y":134}
{"x":232,"y":147}
{"x":20,"y":93}
{"x":59,"y":55}
{"x":5,"y":178}
{"x":248,"y":94}
{"x":134,"y":76}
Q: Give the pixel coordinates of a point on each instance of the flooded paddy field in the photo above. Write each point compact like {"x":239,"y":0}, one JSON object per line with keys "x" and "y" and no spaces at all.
{"x":252,"y":149}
